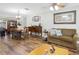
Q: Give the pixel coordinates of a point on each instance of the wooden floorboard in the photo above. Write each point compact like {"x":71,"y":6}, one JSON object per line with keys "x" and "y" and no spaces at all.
{"x":10,"y":46}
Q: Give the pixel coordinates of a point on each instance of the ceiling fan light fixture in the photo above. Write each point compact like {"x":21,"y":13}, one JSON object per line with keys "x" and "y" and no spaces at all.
{"x":57,"y":6}
{"x":51,"y":8}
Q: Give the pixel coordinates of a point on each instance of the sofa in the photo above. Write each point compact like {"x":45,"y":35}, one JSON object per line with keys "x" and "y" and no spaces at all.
{"x":67,"y":39}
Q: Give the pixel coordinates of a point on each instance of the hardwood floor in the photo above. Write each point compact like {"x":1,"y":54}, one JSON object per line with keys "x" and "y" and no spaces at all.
{"x":10,"y":46}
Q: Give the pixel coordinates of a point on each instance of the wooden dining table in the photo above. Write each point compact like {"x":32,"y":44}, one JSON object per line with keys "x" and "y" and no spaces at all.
{"x":16,"y":34}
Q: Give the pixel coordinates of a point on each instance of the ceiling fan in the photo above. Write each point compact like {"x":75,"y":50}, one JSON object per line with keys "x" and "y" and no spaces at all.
{"x":57,"y":6}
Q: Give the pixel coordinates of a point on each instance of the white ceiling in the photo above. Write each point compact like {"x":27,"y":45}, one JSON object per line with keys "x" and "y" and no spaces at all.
{"x":6,"y":8}
{"x":34,"y":7}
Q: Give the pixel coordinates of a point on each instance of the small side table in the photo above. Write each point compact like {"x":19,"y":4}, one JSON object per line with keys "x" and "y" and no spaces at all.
{"x":45,"y":35}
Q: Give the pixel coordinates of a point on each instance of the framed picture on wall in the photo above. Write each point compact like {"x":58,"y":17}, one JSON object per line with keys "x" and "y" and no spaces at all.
{"x":36,"y":18}
{"x":68,"y":17}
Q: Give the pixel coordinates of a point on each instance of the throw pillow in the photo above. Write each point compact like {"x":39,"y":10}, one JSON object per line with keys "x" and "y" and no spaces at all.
{"x":58,"y":32}
{"x":53,"y":32}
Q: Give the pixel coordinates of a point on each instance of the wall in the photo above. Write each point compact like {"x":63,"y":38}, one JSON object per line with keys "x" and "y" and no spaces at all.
{"x":47,"y":20}
{"x":23,"y":21}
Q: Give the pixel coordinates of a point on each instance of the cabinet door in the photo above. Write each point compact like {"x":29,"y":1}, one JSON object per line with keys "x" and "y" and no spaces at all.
{"x":11,"y":24}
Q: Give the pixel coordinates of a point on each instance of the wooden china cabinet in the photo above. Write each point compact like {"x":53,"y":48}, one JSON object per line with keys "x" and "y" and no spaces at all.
{"x":35,"y":29}
{"x":11,"y":25}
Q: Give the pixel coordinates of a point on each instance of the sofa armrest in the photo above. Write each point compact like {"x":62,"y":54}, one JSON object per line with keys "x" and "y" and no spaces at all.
{"x":75,"y":37}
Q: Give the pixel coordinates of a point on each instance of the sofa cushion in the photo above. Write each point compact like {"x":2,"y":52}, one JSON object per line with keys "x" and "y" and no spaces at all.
{"x":53,"y":32}
{"x":68,"y":32}
{"x":66,"y":38}
{"x":55,"y":37}
{"x":58,"y":32}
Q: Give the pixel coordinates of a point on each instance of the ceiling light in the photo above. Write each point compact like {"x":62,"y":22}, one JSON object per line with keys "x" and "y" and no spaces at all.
{"x":24,"y":11}
{"x":56,"y":7}
{"x":18,"y":15}
{"x":51,"y":8}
